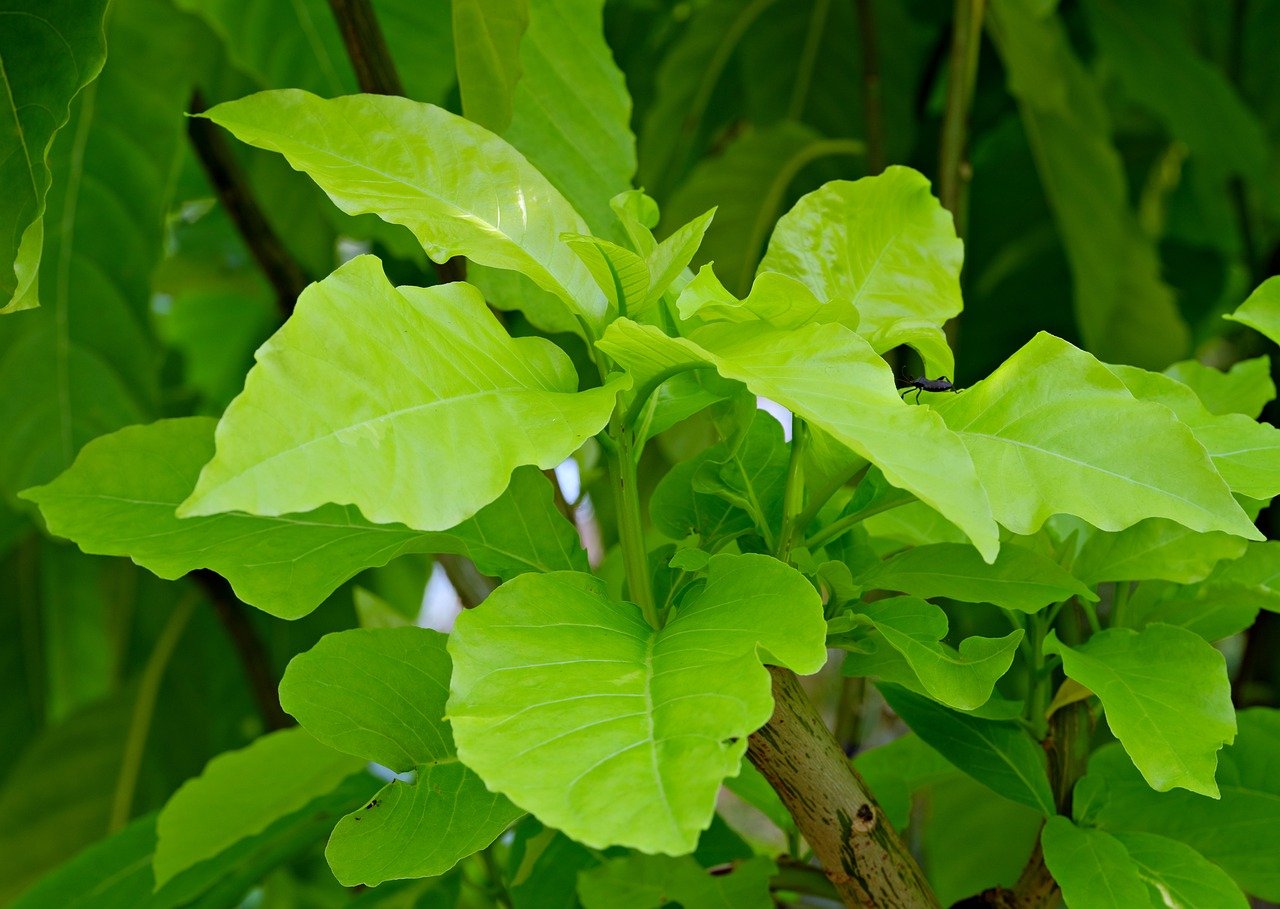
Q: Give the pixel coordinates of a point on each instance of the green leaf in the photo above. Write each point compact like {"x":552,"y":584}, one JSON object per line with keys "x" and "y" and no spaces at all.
{"x":1019,"y":578}
{"x":668,"y":260}
{"x":240,"y":793}
{"x":1001,"y":756}
{"x":1092,"y":867}
{"x":896,"y":770}
{"x":1180,"y":875}
{"x":914,"y":630}
{"x":1239,"y":832}
{"x":120,"y":495}
{"x":462,"y":190}
{"x":887,"y":245}
{"x":1041,"y":451}
{"x":486,"y":43}
{"x":831,"y":377}
{"x":379,"y":694}
{"x":1261,"y":311}
{"x":573,"y":706}
{"x":620,"y":273}
{"x":1125,"y":312}
{"x":1154,"y":549}
{"x":1167,"y":699}
{"x":48,"y":53}
{"x":385,"y":406}
{"x":780,"y":300}
{"x":646,"y":881}
{"x":1245,"y":388}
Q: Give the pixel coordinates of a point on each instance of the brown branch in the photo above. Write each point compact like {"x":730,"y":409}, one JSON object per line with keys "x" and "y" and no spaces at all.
{"x":872,"y":94}
{"x":248,"y":647}
{"x":229,"y":182}
{"x":471,"y":586}
{"x":366,"y":46}
{"x":861,"y":854}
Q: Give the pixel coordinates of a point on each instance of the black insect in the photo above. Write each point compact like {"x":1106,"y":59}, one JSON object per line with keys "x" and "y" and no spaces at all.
{"x":908,"y":384}
{"x":373,"y":804}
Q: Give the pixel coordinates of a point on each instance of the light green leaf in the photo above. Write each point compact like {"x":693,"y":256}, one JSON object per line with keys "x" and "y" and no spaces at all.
{"x":486,"y":42}
{"x":573,"y":706}
{"x":896,"y":770}
{"x":1240,"y":832}
{"x":780,"y":300}
{"x":1261,"y":311}
{"x":831,"y":377}
{"x":620,"y":273}
{"x":459,"y":188}
{"x":1092,"y":867}
{"x":1154,"y":549}
{"x":886,"y":244}
{"x":914,"y":629}
{"x":1180,"y":875}
{"x":120,"y":495}
{"x":1167,"y":699}
{"x":1246,"y":453}
{"x":48,"y":53}
{"x":668,"y":260}
{"x":241,"y":793}
{"x":1125,"y":312}
{"x":380,"y":694}
{"x":1001,"y":756}
{"x":1018,"y":579}
{"x":1042,"y":432}
{"x":361,"y":397}
{"x":646,"y":881}
{"x":1245,"y":388}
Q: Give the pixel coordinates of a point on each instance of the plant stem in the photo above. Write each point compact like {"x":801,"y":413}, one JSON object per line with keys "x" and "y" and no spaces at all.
{"x":144,"y":709}
{"x":953,"y":171}
{"x":861,"y":854}
{"x":1120,"y":604}
{"x":635,"y":555}
{"x":836,"y":528}
{"x":871,"y":92}
{"x":366,"y":46}
{"x":793,"y":497}
{"x":1036,"y":700}
{"x":796,"y":876}
{"x":497,"y":889}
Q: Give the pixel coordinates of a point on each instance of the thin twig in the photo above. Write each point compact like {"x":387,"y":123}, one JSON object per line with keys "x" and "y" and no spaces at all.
{"x":872,"y":95}
{"x":229,"y":182}
{"x":366,"y":47}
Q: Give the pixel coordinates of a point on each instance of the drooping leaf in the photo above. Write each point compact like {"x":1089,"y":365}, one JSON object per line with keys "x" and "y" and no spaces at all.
{"x":48,"y":53}
{"x":243,"y":792}
{"x":379,"y":694}
{"x":1179,"y":874}
{"x":645,"y":881}
{"x":1167,"y":699}
{"x":1041,"y":452}
{"x":1154,"y":549}
{"x":1001,"y":756}
{"x":1245,"y":388}
{"x":1019,"y":578}
{"x":1261,"y":311}
{"x":1239,"y":832}
{"x":1092,"y":867}
{"x":908,"y":649}
{"x":1125,"y":312}
{"x":887,"y":245}
{"x":486,"y":43}
{"x":617,"y":733}
{"x":831,"y":377}
{"x":373,"y":419}
{"x":459,"y":188}
{"x":120,"y":496}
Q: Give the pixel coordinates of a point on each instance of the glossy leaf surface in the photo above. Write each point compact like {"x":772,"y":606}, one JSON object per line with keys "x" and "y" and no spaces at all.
{"x":1092,"y":867}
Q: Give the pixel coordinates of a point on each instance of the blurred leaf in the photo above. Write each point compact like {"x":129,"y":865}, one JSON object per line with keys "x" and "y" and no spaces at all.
{"x":1092,"y":867}
{"x":1167,"y":699}
{"x":486,"y":42}
{"x":48,"y":53}
{"x":555,"y":684}
{"x":895,"y":770}
{"x":365,"y":437}
{"x":646,"y":881}
{"x":1245,"y":388}
{"x":1261,"y":311}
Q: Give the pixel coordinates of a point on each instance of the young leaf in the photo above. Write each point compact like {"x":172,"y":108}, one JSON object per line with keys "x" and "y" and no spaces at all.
{"x":886,"y":244}
{"x":1167,"y":699}
{"x":1001,"y":756}
{"x":380,"y":695}
{"x":914,"y":629}
{"x":780,"y":300}
{"x":620,"y":273}
{"x":241,"y":793}
{"x":668,"y":260}
{"x":1180,"y":874}
{"x":1245,"y":388}
{"x":1261,"y":311}
{"x":831,"y":377}
{"x":486,"y":42}
{"x":1092,"y":867}
{"x":645,"y":881}
{"x":459,"y":188}
{"x":119,"y":497}
{"x":374,"y":419}
{"x":48,"y":52}
{"x":617,"y":733}
{"x":1041,"y":451}
{"x":1239,"y":832}
{"x":1154,"y":549}
{"x":1019,"y":578}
